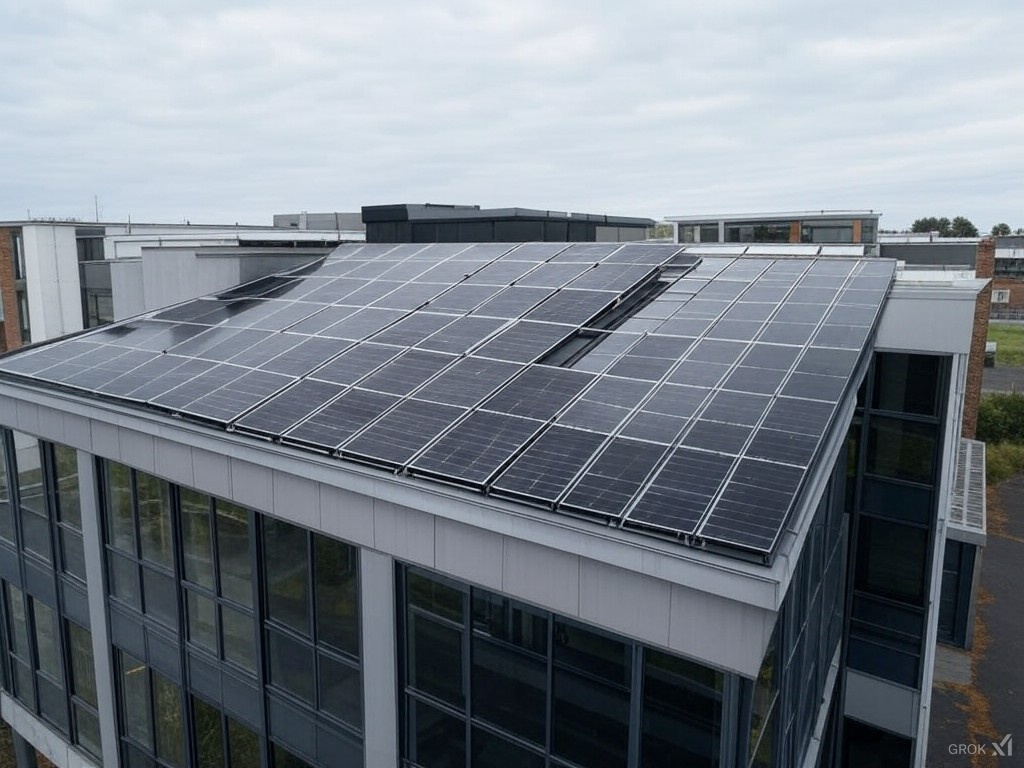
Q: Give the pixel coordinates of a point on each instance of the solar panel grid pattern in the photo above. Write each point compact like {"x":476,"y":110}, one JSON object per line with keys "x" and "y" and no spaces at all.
{"x":699,"y":417}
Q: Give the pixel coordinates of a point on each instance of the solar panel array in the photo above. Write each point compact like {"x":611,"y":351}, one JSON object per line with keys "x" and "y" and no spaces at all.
{"x":699,"y":416}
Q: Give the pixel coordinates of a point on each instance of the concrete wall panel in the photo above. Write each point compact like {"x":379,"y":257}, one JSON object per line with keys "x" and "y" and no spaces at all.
{"x":469,"y":553}
{"x":542,"y":575}
{"x":625,"y":601}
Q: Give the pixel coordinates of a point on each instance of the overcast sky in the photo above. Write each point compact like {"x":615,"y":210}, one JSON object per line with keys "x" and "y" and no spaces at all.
{"x":222,"y":111}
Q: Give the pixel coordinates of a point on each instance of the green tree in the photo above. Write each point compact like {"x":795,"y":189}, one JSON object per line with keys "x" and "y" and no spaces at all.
{"x":1001,"y":229}
{"x":962,"y":227}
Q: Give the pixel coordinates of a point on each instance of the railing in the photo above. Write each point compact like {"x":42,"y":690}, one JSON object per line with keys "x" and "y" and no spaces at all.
{"x":1005,"y":313}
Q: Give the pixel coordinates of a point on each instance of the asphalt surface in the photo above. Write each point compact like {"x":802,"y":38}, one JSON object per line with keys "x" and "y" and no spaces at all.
{"x":1003,"y":378}
{"x":992,"y":705}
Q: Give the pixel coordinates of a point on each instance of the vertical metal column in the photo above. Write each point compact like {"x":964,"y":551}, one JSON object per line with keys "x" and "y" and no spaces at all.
{"x":380,"y":677}
{"x":92,"y":539}
{"x":24,"y":752}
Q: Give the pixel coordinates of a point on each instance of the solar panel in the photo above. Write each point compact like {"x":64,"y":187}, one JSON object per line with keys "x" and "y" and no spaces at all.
{"x":237,"y":396}
{"x":468,"y":382}
{"x":289,"y":407}
{"x":536,"y":251}
{"x":716,"y":436}
{"x":304,"y":356}
{"x":332,"y":425}
{"x":462,"y":335}
{"x":463,"y":298}
{"x":586,"y":252}
{"x":357,"y":362}
{"x":605,"y":404}
{"x":572,"y":307}
{"x":525,"y":341}
{"x":501,"y":273}
{"x":160,"y":375}
{"x":681,"y":492}
{"x":411,"y":295}
{"x":539,"y":392}
{"x":512,"y":302}
{"x":406,"y":372}
{"x":106,"y":371}
{"x":363,"y":324}
{"x":194,"y":388}
{"x":546,"y":468}
{"x":413,"y":328}
{"x":401,"y":433}
{"x":553,"y":275}
{"x":608,"y":485}
{"x":613,"y":277}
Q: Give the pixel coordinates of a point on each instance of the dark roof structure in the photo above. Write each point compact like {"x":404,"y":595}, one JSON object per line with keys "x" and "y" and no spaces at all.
{"x":635,"y":384}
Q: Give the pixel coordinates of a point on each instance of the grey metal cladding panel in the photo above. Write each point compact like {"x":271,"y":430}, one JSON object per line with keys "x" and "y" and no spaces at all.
{"x":107,"y":371}
{"x":338,"y":421}
{"x":462,"y":335}
{"x":356,"y":363}
{"x":155,"y":377}
{"x":463,"y":298}
{"x":500,"y":273}
{"x":736,"y":408}
{"x":290,"y":406}
{"x":754,"y":505}
{"x":547,"y":467}
{"x":305,"y":355}
{"x":406,"y":372}
{"x":324,"y":318}
{"x":411,"y":295}
{"x":553,"y":275}
{"x":513,"y":302}
{"x":401,"y":433}
{"x":525,"y":341}
{"x":232,"y":400}
{"x":468,"y":382}
{"x":196,"y":387}
{"x":613,"y":277}
{"x":414,"y":328}
{"x":716,"y":436}
{"x":476,"y":448}
{"x":682,"y":490}
{"x":363,"y":323}
{"x":572,"y":306}
{"x":539,"y":392}
{"x":610,"y":483}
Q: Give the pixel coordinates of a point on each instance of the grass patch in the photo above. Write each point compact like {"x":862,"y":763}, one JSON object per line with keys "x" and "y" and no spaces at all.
{"x":1003,"y":461}
{"x":1009,"y":341}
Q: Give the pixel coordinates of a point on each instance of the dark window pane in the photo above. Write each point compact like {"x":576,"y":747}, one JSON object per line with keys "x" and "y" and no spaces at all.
{"x":291,"y":665}
{"x":196,"y":543}
{"x":287,"y":574}
{"x":590,"y":721}
{"x":6,"y":521}
{"x":337,"y":599}
{"x":243,"y":745}
{"x":170,"y":733}
{"x":891,"y":560}
{"x":120,"y":518}
{"x":285,"y":759}
{"x":124,"y":579}
{"x":135,"y":699}
{"x":66,"y":463}
{"x":87,"y":730}
{"x":23,"y":684}
{"x":83,"y":672}
{"x":202,"y":620}
{"x":239,"y":637}
{"x":233,"y":553}
{"x":47,"y":649}
{"x":682,"y":713}
{"x":434,"y":596}
{"x":208,"y":735}
{"x":592,"y":653}
{"x":435,"y":654}
{"x":340,"y":691}
{"x":154,"y":518}
{"x":53,"y":703}
{"x":159,"y":593}
{"x":490,"y":751}
{"x":510,"y":689}
{"x":18,"y":618}
{"x":35,"y":534}
{"x":864,"y":745}
{"x":437,"y":740}
{"x":31,"y":491}
{"x":74,"y":552}
{"x":904,"y":450}
{"x":504,"y":619}
{"x":907,"y":383}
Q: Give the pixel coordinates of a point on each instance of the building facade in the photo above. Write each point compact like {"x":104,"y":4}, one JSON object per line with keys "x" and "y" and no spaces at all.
{"x":695,"y":516}
{"x":790,"y":227}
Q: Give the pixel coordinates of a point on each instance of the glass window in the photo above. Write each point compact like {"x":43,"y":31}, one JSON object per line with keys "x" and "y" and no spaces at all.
{"x":208,"y":735}
{"x":907,"y":383}
{"x":73,"y":549}
{"x":18,"y":621}
{"x":66,"y":464}
{"x":438,"y":740}
{"x":154,"y":519}
{"x":285,"y":759}
{"x":124,"y":579}
{"x":196,"y":542}
{"x":135,"y":700}
{"x":891,"y":559}
{"x":682,"y":713}
{"x":170,"y":733}
{"x":510,"y":689}
{"x":291,"y":665}
{"x":341,"y":693}
{"x":590,"y":720}
{"x":160,"y":602}
{"x":202,"y":620}
{"x":47,"y":647}
{"x":592,"y":653}
{"x":83,"y":672}
{"x":87,"y":729}
{"x":243,"y":745}
{"x":120,"y":524}
{"x":31,"y":491}
{"x":904,"y":450}
{"x":239,"y":639}
{"x":336,"y":598}
{"x":490,"y":751}
{"x":435,"y":597}
{"x":287,"y":573}
{"x":35,"y":534}
{"x":435,"y":654}
{"x":233,"y":555}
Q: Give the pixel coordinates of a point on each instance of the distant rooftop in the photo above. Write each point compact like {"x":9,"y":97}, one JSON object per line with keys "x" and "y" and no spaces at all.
{"x":430,"y":211}
{"x":779,"y":216}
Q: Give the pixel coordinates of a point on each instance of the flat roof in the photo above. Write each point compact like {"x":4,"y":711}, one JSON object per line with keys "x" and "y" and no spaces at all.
{"x":373,"y":214}
{"x":776,"y":216}
{"x":640,"y":385}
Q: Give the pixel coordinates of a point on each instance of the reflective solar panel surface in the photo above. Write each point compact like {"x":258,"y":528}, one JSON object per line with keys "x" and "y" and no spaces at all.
{"x":666,"y":389}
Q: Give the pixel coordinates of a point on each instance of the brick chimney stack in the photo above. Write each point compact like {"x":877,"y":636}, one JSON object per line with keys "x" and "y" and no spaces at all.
{"x":984,"y":267}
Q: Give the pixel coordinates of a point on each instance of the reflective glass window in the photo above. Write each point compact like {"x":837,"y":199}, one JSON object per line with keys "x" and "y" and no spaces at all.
{"x":233,"y":557}
{"x":287,"y":574}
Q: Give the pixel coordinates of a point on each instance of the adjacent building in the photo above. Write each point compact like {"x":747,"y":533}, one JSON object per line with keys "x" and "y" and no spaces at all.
{"x":839,"y":226}
{"x":489,"y":505}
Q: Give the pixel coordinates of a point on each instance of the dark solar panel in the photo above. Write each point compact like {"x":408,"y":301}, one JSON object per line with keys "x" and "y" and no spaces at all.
{"x":195,"y":388}
{"x":401,"y":433}
{"x":608,"y":485}
{"x":501,"y":273}
{"x":572,"y":307}
{"x":155,"y":377}
{"x":536,"y":251}
{"x":352,"y":365}
{"x":605,"y":404}
{"x":338,"y":421}
{"x":539,"y":392}
{"x":647,"y":253}
{"x":363,"y":324}
{"x":513,"y":302}
{"x":236,"y":397}
{"x":547,"y":467}
{"x":682,"y":490}
{"x":476,"y":448}
{"x":406,"y":372}
{"x":463,"y":298}
{"x":462,"y":335}
{"x":525,"y":341}
{"x":305,"y":355}
{"x":716,"y":436}
{"x":468,"y":382}
{"x":411,"y":295}
{"x":106,"y":371}
{"x":289,"y":407}
{"x":413,"y":329}
{"x":586,"y":252}
{"x":613,"y":277}
{"x":553,"y":275}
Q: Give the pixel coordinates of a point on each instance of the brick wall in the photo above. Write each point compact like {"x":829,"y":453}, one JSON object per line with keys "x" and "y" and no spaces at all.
{"x":984,"y":266}
{"x":10,"y":328}
{"x":1015,"y":286}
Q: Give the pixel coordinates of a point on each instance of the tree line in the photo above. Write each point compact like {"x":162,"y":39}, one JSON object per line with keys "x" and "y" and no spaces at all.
{"x":960,"y":226}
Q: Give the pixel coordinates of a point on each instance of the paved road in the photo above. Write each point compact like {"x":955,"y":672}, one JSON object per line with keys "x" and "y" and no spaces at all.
{"x":992,"y":705}
{"x":1003,"y":378}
